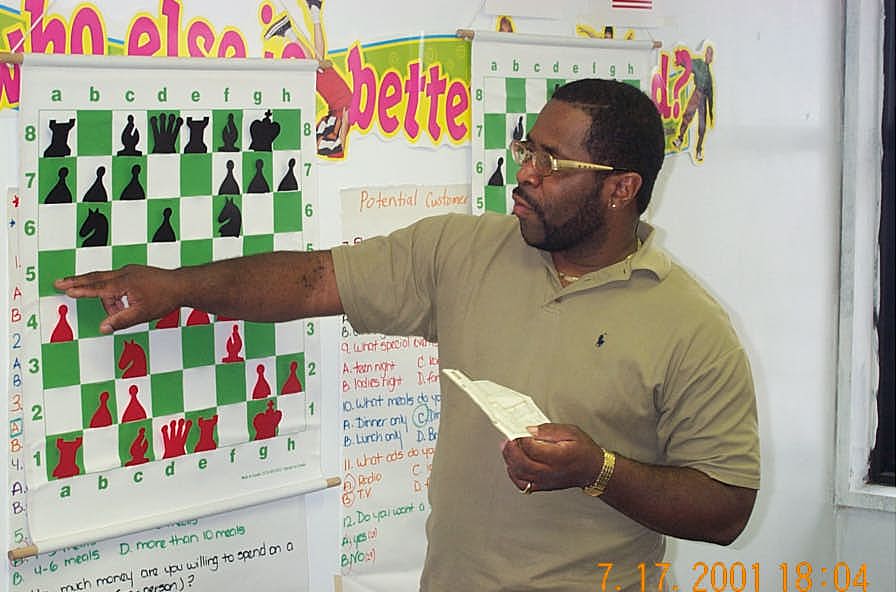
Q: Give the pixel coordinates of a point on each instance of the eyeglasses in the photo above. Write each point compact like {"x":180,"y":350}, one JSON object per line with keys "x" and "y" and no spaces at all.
{"x":545,"y":164}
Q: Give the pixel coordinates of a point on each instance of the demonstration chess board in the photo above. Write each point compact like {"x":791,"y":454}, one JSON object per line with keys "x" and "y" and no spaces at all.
{"x":510,"y":106}
{"x":511,"y":79}
{"x":163,"y":187}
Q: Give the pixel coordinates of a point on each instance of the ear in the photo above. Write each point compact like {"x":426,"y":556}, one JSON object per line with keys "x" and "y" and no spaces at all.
{"x":623,"y":188}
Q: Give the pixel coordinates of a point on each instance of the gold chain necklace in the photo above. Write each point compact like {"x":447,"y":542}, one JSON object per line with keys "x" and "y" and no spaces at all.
{"x":569,"y":278}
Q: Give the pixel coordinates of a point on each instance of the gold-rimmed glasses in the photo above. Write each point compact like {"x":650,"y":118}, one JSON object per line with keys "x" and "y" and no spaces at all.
{"x":544,"y":163}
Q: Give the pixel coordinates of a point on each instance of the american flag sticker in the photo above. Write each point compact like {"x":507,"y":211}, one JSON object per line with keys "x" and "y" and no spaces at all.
{"x":632,"y":4}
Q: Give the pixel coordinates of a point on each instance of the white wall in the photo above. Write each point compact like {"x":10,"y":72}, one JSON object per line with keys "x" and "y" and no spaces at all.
{"x":759,"y":223}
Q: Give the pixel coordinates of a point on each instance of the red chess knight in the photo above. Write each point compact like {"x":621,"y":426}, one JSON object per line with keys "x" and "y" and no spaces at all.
{"x":132,"y":360}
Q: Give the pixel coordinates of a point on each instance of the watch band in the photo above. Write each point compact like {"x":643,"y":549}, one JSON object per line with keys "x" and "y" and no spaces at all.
{"x":597,"y":487}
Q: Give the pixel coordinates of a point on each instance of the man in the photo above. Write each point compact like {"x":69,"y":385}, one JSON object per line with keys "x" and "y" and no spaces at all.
{"x":569,"y":301}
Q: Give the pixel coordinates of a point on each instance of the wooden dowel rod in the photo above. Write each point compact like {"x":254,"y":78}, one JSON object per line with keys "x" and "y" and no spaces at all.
{"x":11,"y":58}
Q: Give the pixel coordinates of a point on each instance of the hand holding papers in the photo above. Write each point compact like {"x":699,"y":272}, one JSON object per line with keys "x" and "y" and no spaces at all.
{"x":511,"y":412}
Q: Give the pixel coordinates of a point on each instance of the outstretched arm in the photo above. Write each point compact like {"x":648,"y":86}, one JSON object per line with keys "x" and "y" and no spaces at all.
{"x":677,"y":501}
{"x":277,"y":286}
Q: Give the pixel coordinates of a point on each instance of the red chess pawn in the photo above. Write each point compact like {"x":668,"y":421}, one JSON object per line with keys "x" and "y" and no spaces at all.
{"x":63,"y":331}
{"x":207,"y":434}
{"x":234,"y":346}
{"x":292,"y":384}
{"x":198,"y":317}
{"x":102,"y":417}
{"x":170,"y":320}
{"x":138,"y":449}
{"x":68,"y":454}
{"x":262,"y":387}
{"x":134,"y":411}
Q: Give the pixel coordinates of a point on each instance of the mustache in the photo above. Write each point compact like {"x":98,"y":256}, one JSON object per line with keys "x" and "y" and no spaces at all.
{"x":524,"y":196}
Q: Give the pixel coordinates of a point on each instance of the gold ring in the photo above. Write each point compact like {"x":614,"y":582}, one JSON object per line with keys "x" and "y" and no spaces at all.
{"x":528,"y":488}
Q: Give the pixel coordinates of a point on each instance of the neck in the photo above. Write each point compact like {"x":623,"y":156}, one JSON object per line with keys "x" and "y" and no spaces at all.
{"x":571,"y":265}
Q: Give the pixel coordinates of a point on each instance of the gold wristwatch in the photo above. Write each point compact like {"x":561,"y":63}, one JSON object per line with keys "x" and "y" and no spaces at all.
{"x":597,"y":487}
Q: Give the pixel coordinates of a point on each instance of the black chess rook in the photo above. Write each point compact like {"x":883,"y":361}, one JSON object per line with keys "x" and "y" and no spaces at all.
{"x":59,"y":140}
{"x":196,"y":145}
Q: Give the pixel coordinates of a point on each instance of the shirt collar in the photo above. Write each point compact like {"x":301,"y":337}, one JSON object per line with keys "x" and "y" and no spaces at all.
{"x":649,"y":257}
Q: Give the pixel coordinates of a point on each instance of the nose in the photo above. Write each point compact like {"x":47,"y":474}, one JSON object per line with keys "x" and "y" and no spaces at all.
{"x":526,"y":174}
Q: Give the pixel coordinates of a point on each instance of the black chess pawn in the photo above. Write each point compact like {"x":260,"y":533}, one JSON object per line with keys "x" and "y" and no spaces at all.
{"x":289,"y":181}
{"x":164,"y":132}
{"x":196,"y":145}
{"x":60,"y":193}
{"x":97,"y":191}
{"x":130,"y":137}
{"x":133,"y":190}
{"x":165,"y":232}
{"x":59,"y":140}
{"x":258,"y":184}
{"x":497,"y":178}
{"x":229,"y":136}
{"x":229,"y":186}
{"x":263,"y":132}
{"x":518,"y":129}
{"x":95,"y":229}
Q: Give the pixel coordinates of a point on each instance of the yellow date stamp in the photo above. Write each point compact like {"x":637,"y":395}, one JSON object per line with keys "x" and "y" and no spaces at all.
{"x":736,"y":576}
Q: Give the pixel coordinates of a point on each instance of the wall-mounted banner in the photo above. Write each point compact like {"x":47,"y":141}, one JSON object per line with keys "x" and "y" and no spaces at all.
{"x":415,"y":89}
{"x":164,"y":162}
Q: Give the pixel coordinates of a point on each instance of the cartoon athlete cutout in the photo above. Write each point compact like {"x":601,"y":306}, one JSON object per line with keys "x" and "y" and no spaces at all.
{"x":700,"y":101}
{"x":332,"y":128}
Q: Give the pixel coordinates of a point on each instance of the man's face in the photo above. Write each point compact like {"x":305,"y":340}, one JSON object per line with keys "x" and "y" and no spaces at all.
{"x":564,"y":209}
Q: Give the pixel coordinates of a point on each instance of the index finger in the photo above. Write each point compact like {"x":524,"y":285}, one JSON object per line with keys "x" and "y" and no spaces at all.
{"x":94,"y":283}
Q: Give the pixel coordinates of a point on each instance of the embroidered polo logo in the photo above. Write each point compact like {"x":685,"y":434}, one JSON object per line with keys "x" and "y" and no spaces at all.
{"x":601,"y":340}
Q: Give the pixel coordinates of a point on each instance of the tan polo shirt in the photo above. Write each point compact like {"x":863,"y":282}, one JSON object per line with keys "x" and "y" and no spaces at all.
{"x":638,"y":355}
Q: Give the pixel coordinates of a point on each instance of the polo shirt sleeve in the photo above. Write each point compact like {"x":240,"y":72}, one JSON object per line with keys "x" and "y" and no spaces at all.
{"x":707,"y":413}
{"x":387,"y":283}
